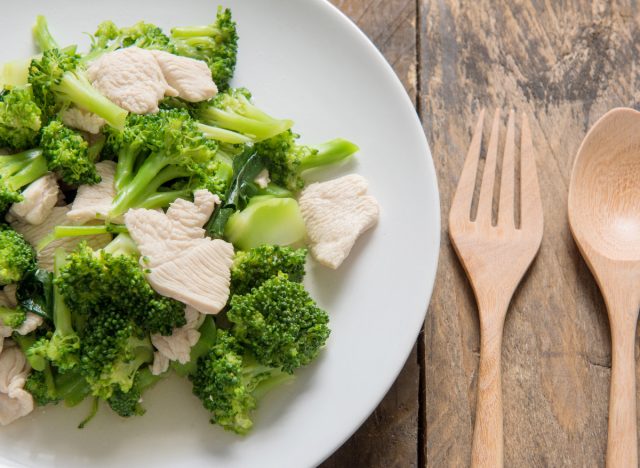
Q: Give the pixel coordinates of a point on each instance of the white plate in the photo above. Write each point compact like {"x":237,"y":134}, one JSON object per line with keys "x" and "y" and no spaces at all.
{"x":304,"y":60}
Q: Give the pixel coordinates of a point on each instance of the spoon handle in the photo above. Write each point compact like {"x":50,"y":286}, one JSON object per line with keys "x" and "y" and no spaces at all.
{"x":622,"y":445}
{"x":487,"y":450}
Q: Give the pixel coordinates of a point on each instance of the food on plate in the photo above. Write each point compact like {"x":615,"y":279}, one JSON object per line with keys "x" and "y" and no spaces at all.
{"x":336,"y":213}
{"x":158,"y":224}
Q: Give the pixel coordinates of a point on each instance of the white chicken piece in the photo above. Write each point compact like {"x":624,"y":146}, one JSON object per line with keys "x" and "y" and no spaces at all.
{"x":82,"y":119}
{"x":39,"y":199}
{"x":336,"y":213}
{"x":160,"y":363}
{"x":94,"y":201}
{"x":191,"y":78}
{"x":131,"y":78}
{"x":183,"y":264}
{"x":177,"y":346}
{"x":15,"y":402}
{"x":58,"y":217}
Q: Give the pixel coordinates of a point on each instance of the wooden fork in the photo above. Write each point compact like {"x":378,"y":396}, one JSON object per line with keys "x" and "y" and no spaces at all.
{"x":495,"y":259}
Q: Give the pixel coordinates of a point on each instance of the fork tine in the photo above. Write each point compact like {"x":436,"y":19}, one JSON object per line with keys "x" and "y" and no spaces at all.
{"x":506,"y":215}
{"x":461,"y":204}
{"x":530,"y":202}
{"x":485,"y":201}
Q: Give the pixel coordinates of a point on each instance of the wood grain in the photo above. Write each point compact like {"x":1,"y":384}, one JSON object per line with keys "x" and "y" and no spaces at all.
{"x":565,"y":63}
{"x":389,"y":438}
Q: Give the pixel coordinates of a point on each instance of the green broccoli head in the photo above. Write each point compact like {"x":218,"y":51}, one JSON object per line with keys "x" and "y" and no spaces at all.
{"x":91,"y":281}
{"x":127,"y":404}
{"x":58,"y":81}
{"x":286,"y":159}
{"x":19,"y":118}
{"x":109,"y":37}
{"x":61,"y":346}
{"x":17,"y":257}
{"x":67,"y":153}
{"x":279,"y":323}
{"x":253,"y":267}
{"x":46,"y":75}
{"x":229,"y":385}
{"x":172,"y":149}
{"x":215,"y":44}
{"x":113,"y":349}
{"x":12,"y":318}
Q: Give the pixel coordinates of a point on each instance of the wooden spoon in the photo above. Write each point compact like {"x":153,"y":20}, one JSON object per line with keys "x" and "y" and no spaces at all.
{"x":604,"y":215}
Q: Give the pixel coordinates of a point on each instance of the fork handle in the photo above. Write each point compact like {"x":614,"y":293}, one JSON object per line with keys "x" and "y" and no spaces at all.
{"x":488,"y":441}
{"x":622,"y":445}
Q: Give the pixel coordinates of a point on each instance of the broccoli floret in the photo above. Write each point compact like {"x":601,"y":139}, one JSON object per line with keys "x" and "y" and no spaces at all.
{"x":230,"y":384}
{"x":113,"y":349}
{"x":233,"y":110}
{"x":286,"y":159}
{"x":42,"y":35}
{"x":253,"y":267}
{"x":61,"y":348}
{"x":109,"y":37}
{"x":215,"y":44}
{"x":91,"y":280}
{"x":127,"y":404}
{"x":41,"y":386}
{"x":18,"y":171}
{"x":279,"y":323}
{"x":156,"y":150}
{"x":58,"y":81}
{"x":266,"y":220}
{"x":12,"y":318}
{"x":67,"y":153}
{"x":19,"y":118}
{"x":17,"y":257}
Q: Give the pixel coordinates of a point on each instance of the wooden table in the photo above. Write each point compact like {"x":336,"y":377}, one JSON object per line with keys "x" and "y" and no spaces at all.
{"x":565,"y":63}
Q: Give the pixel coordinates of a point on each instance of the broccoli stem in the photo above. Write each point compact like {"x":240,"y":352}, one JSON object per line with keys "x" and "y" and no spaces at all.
{"x":123,"y":244}
{"x":33,"y":171}
{"x":195,"y":31}
{"x":165,"y":175}
{"x":79,"y":91}
{"x":124,"y":168}
{"x":149,"y":170}
{"x":145,"y":379}
{"x":276,"y":379}
{"x":71,"y":387}
{"x":221,"y":134}
{"x":61,"y":313}
{"x":76,"y":231}
{"x":253,"y":122}
{"x":91,"y":415}
{"x":21,"y":169}
{"x":42,"y":35}
{"x":329,"y":152}
{"x":162,"y":199}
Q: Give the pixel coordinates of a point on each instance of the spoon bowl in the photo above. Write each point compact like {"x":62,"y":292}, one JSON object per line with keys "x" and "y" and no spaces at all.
{"x":604,"y":216}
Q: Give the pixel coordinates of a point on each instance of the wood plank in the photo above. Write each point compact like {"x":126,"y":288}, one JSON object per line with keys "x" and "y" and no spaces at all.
{"x":389,"y":438}
{"x":565,"y":63}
